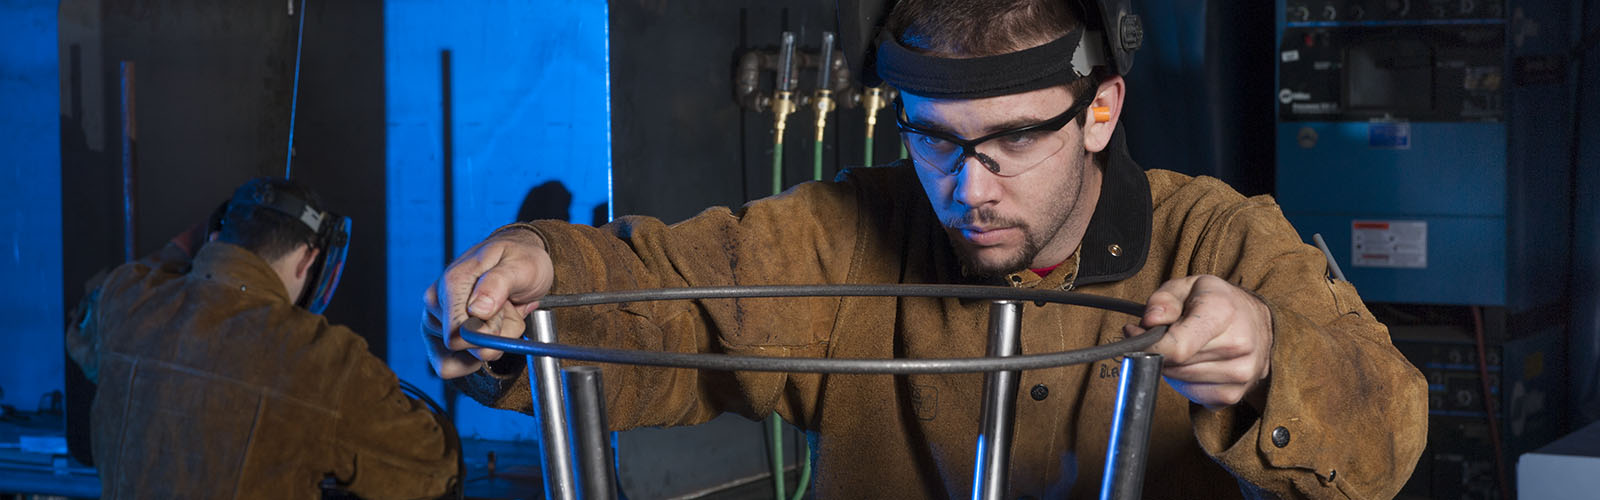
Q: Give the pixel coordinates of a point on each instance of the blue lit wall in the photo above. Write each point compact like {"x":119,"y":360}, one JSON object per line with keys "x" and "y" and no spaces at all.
{"x":528,"y":106}
{"x":30,"y":203}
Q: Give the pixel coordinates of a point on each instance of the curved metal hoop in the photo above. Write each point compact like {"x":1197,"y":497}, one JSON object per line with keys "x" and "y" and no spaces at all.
{"x":825,"y":365}
{"x":1130,"y":425}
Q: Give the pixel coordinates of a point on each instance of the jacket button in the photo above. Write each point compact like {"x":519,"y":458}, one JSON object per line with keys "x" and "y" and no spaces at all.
{"x":1115,"y":249}
{"x":1039,"y":392}
{"x":1280,"y":437}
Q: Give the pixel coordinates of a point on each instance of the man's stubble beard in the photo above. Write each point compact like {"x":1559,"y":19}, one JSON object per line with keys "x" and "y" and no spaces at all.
{"x":1063,"y":205}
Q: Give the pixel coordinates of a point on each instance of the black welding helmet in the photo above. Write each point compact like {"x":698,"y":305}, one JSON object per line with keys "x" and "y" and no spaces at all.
{"x":331,"y":236}
{"x":1109,"y":37}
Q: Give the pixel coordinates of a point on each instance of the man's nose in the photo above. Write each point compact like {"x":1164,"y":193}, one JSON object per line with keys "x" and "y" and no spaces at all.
{"x":976,"y":185}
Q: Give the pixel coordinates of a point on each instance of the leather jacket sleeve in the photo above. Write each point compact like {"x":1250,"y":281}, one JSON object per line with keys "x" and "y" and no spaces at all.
{"x":1345,"y":413}
{"x":388,"y":445}
{"x":813,"y":225}
{"x":82,"y":336}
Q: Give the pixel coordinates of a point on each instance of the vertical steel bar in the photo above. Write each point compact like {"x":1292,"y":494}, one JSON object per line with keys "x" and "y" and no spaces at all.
{"x":999,"y":404}
{"x":586,"y":398}
{"x":550,"y":407}
{"x":1130,"y":427}
{"x":130,"y":157}
{"x":447,"y":177}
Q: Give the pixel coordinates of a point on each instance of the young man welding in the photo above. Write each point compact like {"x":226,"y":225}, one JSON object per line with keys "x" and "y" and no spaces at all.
{"x":219,"y":378}
{"x":1279,"y":381}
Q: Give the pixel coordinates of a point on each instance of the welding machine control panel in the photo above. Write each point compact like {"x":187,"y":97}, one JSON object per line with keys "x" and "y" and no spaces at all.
{"x":1418,"y":60}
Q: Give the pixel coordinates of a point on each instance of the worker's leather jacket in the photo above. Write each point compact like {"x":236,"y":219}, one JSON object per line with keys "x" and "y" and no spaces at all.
{"x":213,"y":384}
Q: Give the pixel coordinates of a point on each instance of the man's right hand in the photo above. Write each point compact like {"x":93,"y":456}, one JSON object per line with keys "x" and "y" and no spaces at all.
{"x":498,"y":281}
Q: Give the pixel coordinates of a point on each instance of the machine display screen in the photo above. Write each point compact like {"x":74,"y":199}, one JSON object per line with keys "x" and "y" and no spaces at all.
{"x":1389,"y":75}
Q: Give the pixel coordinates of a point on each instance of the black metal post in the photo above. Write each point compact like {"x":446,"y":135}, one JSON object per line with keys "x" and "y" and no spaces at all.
{"x":549,"y":405}
{"x":1126,"y":454}
{"x":999,"y":403}
{"x":586,"y":399}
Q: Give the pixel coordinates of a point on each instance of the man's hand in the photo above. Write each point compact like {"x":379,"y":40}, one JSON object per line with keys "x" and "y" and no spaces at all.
{"x":1218,"y":348}
{"x":502,"y":279}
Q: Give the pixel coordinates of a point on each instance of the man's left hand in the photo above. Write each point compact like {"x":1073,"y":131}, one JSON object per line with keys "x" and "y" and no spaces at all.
{"x":1218,"y":348}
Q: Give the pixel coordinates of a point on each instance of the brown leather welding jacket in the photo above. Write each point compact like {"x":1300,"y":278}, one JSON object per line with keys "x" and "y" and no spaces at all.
{"x":1352,"y":410}
{"x":213,"y":384}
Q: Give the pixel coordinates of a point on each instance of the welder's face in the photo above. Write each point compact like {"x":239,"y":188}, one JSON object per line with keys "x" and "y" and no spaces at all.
{"x":1009,"y":208}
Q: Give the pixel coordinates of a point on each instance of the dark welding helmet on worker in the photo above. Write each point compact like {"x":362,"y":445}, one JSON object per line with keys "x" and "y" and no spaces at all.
{"x":331,"y":235}
{"x":1108,"y":38}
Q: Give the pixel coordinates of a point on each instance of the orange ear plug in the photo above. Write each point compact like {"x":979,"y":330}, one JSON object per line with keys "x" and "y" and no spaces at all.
{"x":1102,"y":114}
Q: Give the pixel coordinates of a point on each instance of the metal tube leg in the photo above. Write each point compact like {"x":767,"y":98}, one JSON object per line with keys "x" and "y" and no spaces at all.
{"x":999,"y":404}
{"x":596,"y":477}
{"x":1130,"y":427}
{"x":549,"y":407}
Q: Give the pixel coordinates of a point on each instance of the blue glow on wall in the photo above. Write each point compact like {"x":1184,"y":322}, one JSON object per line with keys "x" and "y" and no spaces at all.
{"x":528,"y":107}
{"x":30,"y":199}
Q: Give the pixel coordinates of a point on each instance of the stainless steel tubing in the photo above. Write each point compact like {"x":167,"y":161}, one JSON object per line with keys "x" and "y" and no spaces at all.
{"x":555,"y":447}
{"x":999,"y":404}
{"x":586,"y":398}
{"x":1130,"y":427}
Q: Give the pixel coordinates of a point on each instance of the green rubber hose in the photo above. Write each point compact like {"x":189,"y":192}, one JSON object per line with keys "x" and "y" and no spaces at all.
{"x":805,"y":477}
{"x":816,"y":161}
{"x":777,"y":167}
{"x":777,"y":457}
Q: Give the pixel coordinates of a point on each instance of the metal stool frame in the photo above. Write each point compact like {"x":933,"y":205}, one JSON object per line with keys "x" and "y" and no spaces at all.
{"x":1130,"y":425}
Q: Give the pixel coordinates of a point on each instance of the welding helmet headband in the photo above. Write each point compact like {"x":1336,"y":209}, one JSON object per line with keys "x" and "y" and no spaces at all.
{"x":1108,"y":36}
{"x":331,"y":235}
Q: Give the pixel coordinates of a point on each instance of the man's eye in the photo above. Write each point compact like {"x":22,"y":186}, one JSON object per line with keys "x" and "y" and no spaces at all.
{"x":929,"y":140}
{"x":1021,"y":140}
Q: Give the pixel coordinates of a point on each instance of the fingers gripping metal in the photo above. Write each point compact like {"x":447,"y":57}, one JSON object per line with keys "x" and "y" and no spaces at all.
{"x":1130,"y":425}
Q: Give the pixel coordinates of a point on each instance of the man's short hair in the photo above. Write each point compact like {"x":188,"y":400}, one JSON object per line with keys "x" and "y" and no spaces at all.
{"x":977,"y":28}
{"x":262,"y":230}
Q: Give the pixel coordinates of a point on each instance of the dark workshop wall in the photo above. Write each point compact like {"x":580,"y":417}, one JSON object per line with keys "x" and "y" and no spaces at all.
{"x":212,"y":89}
{"x":339,"y":150}
{"x":1200,"y":95}
{"x":680,"y":142}
{"x":1585,"y":358}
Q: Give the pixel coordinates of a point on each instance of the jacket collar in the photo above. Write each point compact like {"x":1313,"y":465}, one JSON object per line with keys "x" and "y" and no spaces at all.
{"x":1117,"y":240}
{"x":233,"y":266}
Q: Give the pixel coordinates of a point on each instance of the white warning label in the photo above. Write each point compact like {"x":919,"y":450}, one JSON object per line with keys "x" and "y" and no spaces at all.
{"x":1389,"y":243}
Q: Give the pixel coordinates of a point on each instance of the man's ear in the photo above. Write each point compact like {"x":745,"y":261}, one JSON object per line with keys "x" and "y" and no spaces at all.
{"x":307,"y":256}
{"x":1108,"y":105}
